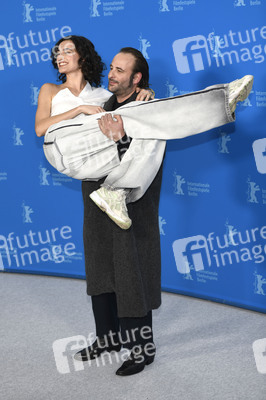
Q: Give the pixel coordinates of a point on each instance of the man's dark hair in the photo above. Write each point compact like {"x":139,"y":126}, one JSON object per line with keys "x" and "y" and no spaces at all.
{"x":141,"y":65}
{"x":90,"y":62}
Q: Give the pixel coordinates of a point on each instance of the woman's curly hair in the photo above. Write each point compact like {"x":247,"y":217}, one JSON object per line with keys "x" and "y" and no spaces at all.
{"x":90,"y":62}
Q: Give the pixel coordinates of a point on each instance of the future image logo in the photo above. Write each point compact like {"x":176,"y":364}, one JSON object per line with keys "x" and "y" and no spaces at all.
{"x":197,"y":253}
{"x":198,"y":53}
{"x":215,"y":44}
{"x":64,"y":350}
{"x":259,"y":350}
{"x":8,"y":58}
{"x":1,"y":63}
{"x":34,"y":247}
{"x":259,"y":150}
{"x":191,"y":253}
{"x":27,"y":49}
{"x":191,"y":54}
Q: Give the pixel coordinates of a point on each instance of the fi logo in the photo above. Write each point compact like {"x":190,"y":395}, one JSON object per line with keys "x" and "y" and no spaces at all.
{"x":259,"y":349}
{"x":1,"y":63}
{"x":64,"y":350}
{"x":191,"y":54}
{"x":259,"y":150}
{"x":191,"y":253}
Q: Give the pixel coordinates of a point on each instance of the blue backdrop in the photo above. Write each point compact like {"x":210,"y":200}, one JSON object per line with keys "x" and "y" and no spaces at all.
{"x":213,"y":201}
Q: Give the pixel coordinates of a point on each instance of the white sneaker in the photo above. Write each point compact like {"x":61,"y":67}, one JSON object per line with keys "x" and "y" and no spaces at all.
{"x":113,"y":202}
{"x":239,"y":90}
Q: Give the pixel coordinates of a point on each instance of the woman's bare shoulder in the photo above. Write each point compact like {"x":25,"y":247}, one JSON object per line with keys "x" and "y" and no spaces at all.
{"x":50,"y":89}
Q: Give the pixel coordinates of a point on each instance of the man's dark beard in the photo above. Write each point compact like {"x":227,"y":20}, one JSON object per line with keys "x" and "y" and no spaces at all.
{"x":129,"y":85}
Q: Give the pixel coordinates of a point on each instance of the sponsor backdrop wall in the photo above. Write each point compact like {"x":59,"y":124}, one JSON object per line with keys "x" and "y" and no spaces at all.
{"x":213,"y":201}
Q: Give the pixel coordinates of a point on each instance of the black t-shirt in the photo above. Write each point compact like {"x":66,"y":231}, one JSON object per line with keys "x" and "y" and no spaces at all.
{"x":117,"y":105}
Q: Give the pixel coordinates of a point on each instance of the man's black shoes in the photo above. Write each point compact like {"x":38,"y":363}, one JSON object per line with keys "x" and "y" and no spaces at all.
{"x":135,"y":363}
{"x":95,"y":350}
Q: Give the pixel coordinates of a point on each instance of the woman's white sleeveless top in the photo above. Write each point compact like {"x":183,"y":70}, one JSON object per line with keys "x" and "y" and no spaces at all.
{"x":65,"y":100}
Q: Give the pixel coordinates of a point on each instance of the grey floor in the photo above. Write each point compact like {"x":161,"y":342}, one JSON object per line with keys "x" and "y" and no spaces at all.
{"x":204,"y":349}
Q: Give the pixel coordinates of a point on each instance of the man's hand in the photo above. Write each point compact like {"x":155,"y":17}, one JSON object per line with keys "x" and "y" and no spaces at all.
{"x":145,"y":94}
{"x":112,"y":128}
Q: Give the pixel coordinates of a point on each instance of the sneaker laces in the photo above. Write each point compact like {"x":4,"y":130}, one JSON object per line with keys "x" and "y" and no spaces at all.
{"x":121,"y":200}
{"x":117,"y":198}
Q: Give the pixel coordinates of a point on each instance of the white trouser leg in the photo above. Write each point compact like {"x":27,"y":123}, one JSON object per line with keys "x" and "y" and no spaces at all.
{"x":169,"y":119}
{"x":83,"y":152}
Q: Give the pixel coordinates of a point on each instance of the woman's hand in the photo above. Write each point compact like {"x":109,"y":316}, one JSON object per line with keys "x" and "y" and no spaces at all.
{"x":90,"y":109}
{"x":145,"y":94}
